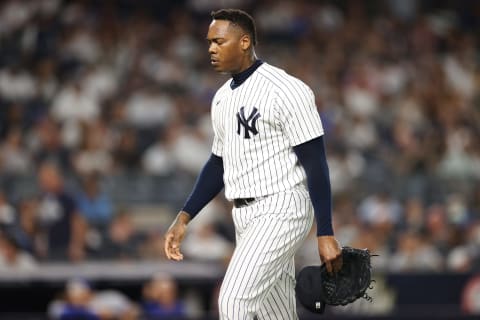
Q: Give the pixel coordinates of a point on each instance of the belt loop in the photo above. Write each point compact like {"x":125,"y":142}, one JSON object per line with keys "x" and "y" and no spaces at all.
{"x":243,"y":202}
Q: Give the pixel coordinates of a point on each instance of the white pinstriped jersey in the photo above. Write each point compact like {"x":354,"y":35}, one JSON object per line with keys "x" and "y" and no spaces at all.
{"x":256,"y":125}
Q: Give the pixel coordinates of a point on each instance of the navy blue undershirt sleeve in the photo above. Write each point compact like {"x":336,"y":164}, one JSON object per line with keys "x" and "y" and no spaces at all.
{"x":209,"y":183}
{"x":312,"y":157}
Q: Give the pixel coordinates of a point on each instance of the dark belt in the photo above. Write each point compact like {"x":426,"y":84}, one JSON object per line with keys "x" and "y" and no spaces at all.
{"x":242,"y":202}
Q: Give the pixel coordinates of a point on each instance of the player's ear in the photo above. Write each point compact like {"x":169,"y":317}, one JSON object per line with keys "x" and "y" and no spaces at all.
{"x":245,"y":42}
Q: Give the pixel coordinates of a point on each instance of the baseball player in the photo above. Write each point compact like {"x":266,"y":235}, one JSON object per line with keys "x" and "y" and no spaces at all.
{"x":268,"y":153}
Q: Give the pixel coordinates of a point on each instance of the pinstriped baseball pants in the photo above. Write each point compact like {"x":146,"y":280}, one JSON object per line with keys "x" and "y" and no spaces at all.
{"x":260,"y":279}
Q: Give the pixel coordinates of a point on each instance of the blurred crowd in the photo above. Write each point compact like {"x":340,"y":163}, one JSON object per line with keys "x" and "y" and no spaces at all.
{"x":159,"y":299}
{"x":91,"y":91}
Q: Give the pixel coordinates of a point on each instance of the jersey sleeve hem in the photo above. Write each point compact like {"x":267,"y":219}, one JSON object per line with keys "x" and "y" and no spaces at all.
{"x":317,"y":133}
{"x":217,"y":152}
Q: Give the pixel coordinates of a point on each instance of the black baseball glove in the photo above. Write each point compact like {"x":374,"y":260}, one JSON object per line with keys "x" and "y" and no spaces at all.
{"x":316,"y":287}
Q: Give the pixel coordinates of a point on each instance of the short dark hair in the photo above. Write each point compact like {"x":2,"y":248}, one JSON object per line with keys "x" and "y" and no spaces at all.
{"x":239,"y":18}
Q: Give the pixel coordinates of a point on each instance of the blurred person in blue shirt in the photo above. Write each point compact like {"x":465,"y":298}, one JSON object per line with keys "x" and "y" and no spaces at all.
{"x":78,"y":296}
{"x":94,"y":204}
{"x":161,"y":298}
{"x":96,"y":208}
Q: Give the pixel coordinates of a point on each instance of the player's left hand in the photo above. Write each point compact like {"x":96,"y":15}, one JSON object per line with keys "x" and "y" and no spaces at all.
{"x":330,"y":253}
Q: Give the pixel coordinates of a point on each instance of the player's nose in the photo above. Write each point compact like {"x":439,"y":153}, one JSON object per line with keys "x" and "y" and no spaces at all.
{"x":212,"y":48}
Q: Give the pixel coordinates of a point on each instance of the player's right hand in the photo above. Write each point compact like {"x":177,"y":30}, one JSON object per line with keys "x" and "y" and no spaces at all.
{"x":174,"y":236}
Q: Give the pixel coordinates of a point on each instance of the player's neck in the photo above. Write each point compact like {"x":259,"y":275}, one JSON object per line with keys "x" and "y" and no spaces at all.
{"x":239,"y":78}
{"x":249,"y":60}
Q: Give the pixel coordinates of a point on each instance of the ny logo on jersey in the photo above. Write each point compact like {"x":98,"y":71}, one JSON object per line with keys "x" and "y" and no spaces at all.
{"x":249,"y":124}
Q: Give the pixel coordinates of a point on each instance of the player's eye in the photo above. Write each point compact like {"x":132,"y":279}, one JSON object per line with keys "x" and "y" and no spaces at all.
{"x":216,"y":41}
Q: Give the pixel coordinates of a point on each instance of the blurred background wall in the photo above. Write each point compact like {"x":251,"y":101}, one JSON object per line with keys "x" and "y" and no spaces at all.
{"x":104,"y":125}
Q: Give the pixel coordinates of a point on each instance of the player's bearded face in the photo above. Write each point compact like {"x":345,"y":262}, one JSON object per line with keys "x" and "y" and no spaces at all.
{"x":225,"y":47}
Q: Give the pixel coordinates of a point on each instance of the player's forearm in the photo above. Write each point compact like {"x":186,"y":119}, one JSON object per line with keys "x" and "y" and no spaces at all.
{"x":209,"y":184}
{"x":313,"y":159}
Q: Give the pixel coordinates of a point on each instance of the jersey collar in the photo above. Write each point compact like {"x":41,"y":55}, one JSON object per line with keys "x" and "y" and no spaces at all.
{"x":239,"y":78}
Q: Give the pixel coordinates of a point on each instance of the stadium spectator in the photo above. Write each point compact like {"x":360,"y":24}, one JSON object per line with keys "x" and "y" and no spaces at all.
{"x":7,"y":212}
{"x":93,"y":203}
{"x":160,"y":299}
{"x":126,"y":153}
{"x":93,"y":154}
{"x":122,"y":241}
{"x":14,"y":157}
{"x":12,"y":257}
{"x":96,"y":208}
{"x":47,"y":144}
{"x":78,"y":295}
{"x":380,"y":210}
{"x":61,"y":224}
{"x":157,"y":159}
{"x":113,"y":305}
{"x":414,"y":253}
{"x":73,"y":103}
{"x":17,"y":84}
{"x":26,"y":226}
